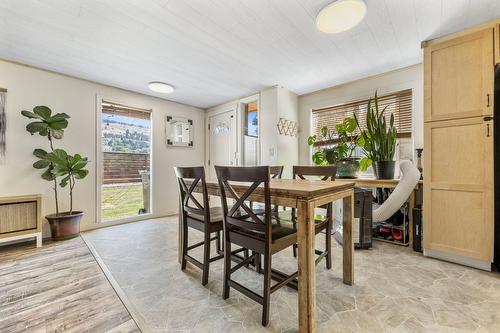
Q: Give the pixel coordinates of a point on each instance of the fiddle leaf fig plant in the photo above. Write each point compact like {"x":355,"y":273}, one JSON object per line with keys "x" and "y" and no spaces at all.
{"x":55,"y":163}
{"x":70,"y":168}
{"x":378,"y":140}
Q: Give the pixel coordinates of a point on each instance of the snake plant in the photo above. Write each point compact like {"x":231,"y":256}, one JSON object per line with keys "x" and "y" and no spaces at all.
{"x":378,"y":139}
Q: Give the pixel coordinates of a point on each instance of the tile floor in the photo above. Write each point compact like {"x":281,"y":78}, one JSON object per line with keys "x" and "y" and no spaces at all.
{"x":396,"y":289}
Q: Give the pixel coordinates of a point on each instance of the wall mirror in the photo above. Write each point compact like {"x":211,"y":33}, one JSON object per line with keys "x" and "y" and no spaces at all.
{"x":179,"y":132}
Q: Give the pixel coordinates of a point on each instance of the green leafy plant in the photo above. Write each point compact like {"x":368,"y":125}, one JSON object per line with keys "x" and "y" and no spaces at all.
{"x":55,"y":163}
{"x":378,"y":140}
{"x":340,"y":143}
{"x":70,"y":168}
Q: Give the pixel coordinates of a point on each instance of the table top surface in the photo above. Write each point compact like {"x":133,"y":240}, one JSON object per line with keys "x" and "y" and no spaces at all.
{"x":292,"y":187}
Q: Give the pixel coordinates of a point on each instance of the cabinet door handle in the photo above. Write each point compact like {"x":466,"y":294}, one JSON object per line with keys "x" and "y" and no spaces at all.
{"x":487,"y":130}
{"x":487,"y":100}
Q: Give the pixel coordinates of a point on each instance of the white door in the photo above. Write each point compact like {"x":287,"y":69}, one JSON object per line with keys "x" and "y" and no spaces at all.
{"x":222,"y":140}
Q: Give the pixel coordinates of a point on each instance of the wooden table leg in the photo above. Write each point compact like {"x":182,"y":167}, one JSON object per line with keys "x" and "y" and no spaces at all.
{"x":307,"y":268}
{"x":348,"y":244}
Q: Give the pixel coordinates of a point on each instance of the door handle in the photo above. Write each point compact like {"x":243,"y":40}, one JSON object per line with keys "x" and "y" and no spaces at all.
{"x":488,"y":132}
{"x":487,"y":100}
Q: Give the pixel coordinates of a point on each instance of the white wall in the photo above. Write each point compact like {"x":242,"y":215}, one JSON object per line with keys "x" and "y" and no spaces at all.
{"x":28,"y":87}
{"x":268,"y":120}
{"x":288,"y":146}
{"x":406,"y":78}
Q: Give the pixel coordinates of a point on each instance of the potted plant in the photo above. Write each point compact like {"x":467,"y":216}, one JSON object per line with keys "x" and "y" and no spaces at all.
{"x":340,"y":151}
{"x":378,"y":141}
{"x":58,"y":167}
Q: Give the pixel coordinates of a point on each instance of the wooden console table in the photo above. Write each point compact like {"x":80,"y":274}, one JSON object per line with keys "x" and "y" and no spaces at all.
{"x":20,"y":218}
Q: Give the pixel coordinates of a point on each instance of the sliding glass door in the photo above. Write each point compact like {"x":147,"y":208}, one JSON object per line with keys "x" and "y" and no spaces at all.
{"x":125,"y":162}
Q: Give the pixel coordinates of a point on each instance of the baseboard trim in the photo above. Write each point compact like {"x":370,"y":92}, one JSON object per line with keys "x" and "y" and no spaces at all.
{"x":479,"y":264}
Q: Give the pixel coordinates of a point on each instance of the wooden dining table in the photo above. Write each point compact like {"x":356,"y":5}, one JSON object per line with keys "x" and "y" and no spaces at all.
{"x":305,"y":196}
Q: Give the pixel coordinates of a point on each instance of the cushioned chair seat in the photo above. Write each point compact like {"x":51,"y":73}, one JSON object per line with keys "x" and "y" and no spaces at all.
{"x":280,"y":228}
{"x":215,"y":215}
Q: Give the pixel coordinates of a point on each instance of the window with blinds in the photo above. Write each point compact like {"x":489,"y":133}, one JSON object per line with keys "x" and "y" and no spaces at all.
{"x":399,"y":103}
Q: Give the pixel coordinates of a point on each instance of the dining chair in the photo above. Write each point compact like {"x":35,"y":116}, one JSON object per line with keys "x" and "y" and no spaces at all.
{"x":200,"y":216}
{"x":325,"y":223}
{"x":275,"y":172}
{"x":259,"y":233}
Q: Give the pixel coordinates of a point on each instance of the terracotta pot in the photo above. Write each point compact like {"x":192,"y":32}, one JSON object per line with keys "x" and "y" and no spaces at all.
{"x":64,"y":225}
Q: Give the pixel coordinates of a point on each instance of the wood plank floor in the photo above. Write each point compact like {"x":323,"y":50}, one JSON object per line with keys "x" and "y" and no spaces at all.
{"x":59,"y":287}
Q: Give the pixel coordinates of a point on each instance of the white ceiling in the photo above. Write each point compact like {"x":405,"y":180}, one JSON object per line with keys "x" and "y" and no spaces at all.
{"x":216,"y":50}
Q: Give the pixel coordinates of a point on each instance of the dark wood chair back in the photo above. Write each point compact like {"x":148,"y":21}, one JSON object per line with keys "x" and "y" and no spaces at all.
{"x":189,"y":203}
{"x":240,"y":215}
{"x":325,"y":172}
{"x":276,"y":171}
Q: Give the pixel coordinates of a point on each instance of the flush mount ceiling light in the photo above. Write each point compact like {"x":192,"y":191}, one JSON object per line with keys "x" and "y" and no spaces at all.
{"x":161,"y":87}
{"x":340,"y":16}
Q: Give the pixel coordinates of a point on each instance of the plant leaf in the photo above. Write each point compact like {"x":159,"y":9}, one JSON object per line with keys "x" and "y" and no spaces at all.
{"x":48,"y":175}
{"x":59,"y":157}
{"x":324,"y":131}
{"x":365,"y":163}
{"x":311,"y":140}
{"x":57,"y":124}
{"x":41,"y":164}
{"x":29,"y":114}
{"x":80,"y":174}
{"x":57,"y":134}
{"x":36,"y":127}
{"x":64,"y":181}
{"x":40,"y":153}
{"x":42,"y":111}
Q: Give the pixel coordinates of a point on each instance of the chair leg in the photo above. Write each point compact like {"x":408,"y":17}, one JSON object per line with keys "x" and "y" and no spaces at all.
{"x":294,"y":248}
{"x":184,"y":244}
{"x":257,"y":262}
{"x":267,"y":289}
{"x":206,"y":259}
{"x":246,"y":254}
{"x":227,"y":267}
{"x":329,"y":246}
{"x":218,"y":243}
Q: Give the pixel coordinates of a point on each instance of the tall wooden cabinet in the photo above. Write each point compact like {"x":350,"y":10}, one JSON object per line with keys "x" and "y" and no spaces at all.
{"x":458,"y":146}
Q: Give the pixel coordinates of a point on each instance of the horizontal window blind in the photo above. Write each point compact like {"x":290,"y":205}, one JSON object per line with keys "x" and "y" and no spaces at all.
{"x":124,"y":110}
{"x":399,"y":103}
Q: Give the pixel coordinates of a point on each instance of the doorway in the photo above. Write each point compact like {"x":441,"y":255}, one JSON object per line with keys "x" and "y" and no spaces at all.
{"x":125,"y":136}
{"x":222,"y":140}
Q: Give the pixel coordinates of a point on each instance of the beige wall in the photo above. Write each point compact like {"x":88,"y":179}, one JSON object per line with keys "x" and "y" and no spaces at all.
{"x":406,"y":78}
{"x":28,"y":87}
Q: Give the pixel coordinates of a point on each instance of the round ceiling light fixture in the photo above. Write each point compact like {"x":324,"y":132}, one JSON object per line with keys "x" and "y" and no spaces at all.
{"x":161,"y":87}
{"x":341,"y":15}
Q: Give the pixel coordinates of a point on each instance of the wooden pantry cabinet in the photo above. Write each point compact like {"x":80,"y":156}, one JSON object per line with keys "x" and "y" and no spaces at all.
{"x":458,"y":146}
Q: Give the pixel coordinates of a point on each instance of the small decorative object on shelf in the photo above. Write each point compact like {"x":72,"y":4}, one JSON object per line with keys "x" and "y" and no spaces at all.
{"x":287,"y":127}
{"x":419,"y":162}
